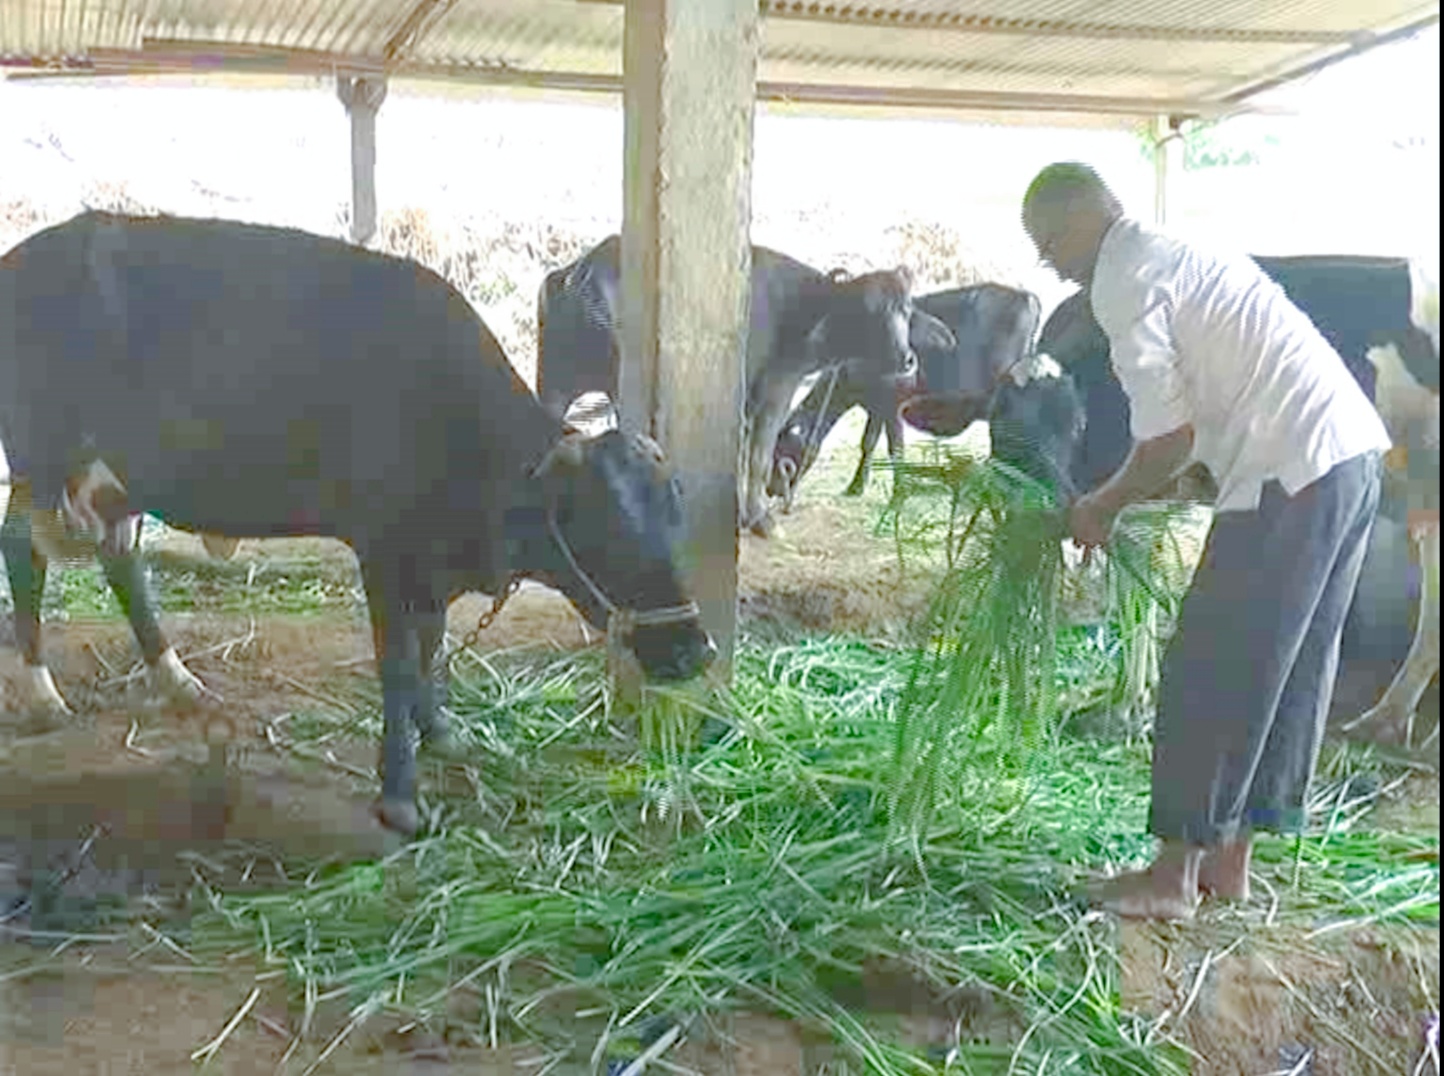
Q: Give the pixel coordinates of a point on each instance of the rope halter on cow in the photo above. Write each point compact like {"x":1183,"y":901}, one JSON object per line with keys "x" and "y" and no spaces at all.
{"x":621,"y":620}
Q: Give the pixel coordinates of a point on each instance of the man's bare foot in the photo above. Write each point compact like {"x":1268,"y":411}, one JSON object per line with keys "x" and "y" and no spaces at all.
{"x":1223,"y":871}
{"x":1166,"y":890}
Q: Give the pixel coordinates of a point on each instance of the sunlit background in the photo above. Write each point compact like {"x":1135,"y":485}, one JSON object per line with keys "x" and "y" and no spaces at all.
{"x":1353,"y":167}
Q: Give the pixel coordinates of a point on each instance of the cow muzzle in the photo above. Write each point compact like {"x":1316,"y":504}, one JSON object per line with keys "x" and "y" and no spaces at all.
{"x":668,"y":640}
{"x":784,"y":481}
{"x":677,"y":649}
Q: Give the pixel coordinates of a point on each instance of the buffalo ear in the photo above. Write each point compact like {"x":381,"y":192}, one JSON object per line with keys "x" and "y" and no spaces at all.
{"x":927,"y":333}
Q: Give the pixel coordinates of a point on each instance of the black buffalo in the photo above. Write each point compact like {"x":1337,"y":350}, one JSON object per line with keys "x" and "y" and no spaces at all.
{"x":992,"y":326}
{"x":1357,"y":303}
{"x":258,"y":382}
{"x":801,"y":320}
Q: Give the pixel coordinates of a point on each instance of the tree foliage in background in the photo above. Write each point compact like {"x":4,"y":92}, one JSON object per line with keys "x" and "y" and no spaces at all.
{"x":1219,"y":144}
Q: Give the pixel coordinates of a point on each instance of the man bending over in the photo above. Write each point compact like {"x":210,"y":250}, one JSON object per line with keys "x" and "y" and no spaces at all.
{"x":1220,"y":367}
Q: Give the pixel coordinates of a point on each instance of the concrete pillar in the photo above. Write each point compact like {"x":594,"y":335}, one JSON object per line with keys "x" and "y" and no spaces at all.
{"x":691,"y":69}
{"x":1167,"y":163}
{"x":362,"y":98}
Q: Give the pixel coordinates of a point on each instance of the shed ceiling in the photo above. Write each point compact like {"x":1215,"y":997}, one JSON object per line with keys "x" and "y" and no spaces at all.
{"x":1114,"y":60}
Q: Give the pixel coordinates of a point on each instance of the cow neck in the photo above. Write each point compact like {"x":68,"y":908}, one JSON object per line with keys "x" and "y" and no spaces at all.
{"x":815,"y":300}
{"x":524,"y":544}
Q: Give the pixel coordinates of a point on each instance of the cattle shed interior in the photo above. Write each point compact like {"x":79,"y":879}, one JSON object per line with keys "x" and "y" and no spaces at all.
{"x":690,"y":73}
{"x":1112,"y":61}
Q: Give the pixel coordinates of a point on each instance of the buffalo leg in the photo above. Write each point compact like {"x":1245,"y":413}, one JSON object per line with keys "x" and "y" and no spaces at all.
{"x":870,"y":435}
{"x":431,"y":691}
{"x":25,"y":566}
{"x":766,"y":422}
{"x":126,"y":575}
{"x":1394,"y":712}
{"x":894,"y":429}
{"x":398,"y":658}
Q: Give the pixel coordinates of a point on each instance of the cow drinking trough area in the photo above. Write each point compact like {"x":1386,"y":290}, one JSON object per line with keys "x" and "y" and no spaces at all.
{"x":708,"y":887}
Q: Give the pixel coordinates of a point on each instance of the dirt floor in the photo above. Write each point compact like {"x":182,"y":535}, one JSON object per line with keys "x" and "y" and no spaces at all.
{"x":141,"y":786}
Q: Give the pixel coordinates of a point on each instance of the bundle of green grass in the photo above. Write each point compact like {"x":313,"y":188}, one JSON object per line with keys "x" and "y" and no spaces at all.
{"x":983,"y":690}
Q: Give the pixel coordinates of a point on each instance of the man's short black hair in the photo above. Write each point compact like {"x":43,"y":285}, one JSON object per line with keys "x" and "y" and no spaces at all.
{"x":1066,"y":180}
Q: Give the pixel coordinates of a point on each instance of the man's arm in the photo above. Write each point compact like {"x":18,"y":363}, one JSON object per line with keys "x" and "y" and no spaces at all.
{"x":1150,"y":466}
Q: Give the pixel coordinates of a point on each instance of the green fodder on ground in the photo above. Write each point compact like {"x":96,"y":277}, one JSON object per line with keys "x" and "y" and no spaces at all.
{"x":747,"y":861}
{"x":591,"y":875}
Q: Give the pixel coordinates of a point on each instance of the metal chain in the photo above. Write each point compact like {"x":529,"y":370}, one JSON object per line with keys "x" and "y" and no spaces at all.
{"x":489,"y":617}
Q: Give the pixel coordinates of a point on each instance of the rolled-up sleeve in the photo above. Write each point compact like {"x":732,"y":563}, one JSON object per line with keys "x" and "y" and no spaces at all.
{"x":1147,"y":365}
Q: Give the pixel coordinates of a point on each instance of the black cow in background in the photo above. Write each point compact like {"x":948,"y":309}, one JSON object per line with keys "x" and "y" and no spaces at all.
{"x":993,"y":327}
{"x":802,"y":320}
{"x":1358,"y":304}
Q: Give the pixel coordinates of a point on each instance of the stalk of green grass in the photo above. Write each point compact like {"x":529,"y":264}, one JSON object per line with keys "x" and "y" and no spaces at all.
{"x":785,"y":882}
{"x":982,"y":689}
{"x":549,"y":885}
{"x":983,"y":692}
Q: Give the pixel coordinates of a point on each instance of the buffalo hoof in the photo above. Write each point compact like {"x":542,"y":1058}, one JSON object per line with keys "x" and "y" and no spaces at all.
{"x":1392,"y":724}
{"x":440,"y":745}
{"x":433,"y":730}
{"x":176,"y":683}
{"x":397,"y":816}
{"x":46,"y":709}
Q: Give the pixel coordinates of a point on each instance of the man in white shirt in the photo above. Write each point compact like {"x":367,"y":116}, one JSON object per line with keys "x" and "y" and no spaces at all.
{"x":1220,"y":367}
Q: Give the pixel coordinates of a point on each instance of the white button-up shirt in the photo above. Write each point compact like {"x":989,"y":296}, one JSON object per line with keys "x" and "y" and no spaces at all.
{"x":1210,"y":340}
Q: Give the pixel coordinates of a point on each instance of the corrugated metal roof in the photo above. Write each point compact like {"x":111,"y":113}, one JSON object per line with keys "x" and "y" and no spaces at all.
{"x":1126,"y":58}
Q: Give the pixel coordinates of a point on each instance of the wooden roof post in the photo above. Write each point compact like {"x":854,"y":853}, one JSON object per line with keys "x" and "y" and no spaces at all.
{"x":362,"y":98}
{"x":689,"y":95}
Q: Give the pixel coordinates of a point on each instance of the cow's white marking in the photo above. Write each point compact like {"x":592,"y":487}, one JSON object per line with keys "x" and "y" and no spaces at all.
{"x":1424,"y":300}
{"x":79,"y":507}
{"x":1409,"y":410}
{"x":1411,"y":414}
{"x":44,"y":695}
{"x":1394,"y":712}
{"x":1031,"y":367}
{"x":592,"y":413}
{"x":1073,"y":555}
{"x":170,"y":675}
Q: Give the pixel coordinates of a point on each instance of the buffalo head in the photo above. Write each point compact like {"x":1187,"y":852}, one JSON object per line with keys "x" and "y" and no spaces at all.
{"x":1035,"y":424}
{"x":871,"y":318}
{"x":613,"y":524}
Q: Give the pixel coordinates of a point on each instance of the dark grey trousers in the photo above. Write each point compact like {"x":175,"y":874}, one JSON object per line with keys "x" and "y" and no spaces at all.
{"x":1248,"y":676}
